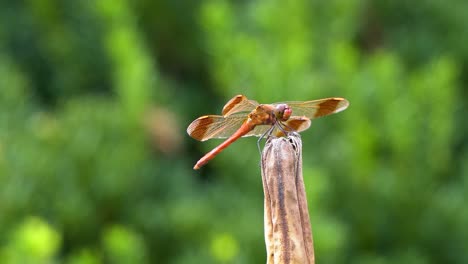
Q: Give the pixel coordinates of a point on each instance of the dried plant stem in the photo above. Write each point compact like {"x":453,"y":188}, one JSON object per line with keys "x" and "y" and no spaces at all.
{"x":288,"y":235}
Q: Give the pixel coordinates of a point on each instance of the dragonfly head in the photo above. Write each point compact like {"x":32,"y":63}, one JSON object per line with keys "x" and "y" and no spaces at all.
{"x":283,"y":112}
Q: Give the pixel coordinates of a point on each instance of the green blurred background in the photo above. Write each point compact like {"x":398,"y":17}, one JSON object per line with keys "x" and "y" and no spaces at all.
{"x":95,"y":97}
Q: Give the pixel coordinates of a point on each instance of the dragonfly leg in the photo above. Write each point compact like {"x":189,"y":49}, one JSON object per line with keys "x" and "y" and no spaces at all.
{"x":284,"y":128}
{"x":267,"y":134}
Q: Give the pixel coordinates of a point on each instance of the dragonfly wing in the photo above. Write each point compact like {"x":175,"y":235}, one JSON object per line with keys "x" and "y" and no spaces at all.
{"x":318,"y":108}
{"x":238,"y":104}
{"x":293,"y":124}
{"x":258,"y":131}
{"x":215,"y":126}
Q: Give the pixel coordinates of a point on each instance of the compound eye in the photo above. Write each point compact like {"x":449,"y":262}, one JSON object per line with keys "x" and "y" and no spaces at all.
{"x":287,"y":113}
{"x":283,"y":112}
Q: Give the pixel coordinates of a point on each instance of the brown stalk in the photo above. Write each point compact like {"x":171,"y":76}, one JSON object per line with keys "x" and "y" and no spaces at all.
{"x":288,"y":234}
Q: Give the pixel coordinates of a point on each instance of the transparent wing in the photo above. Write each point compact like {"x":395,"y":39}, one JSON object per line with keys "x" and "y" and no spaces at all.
{"x":258,"y":131}
{"x":318,"y":108}
{"x":239,"y":104}
{"x":215,"y":126}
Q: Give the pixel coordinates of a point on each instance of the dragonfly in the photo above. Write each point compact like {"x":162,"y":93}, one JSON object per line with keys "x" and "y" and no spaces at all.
{"x":242,"y":117}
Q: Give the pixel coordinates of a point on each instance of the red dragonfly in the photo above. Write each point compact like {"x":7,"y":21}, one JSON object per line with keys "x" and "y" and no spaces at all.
{"x":242,"y":117}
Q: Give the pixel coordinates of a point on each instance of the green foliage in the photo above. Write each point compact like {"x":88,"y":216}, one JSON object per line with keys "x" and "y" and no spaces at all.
{"x":95,"y":164}
{"x":123,"y":246}
{"x":31,"y":242}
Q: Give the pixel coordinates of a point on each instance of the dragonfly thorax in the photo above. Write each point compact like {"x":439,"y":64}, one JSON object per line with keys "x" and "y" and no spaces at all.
{"x":269,"y":114}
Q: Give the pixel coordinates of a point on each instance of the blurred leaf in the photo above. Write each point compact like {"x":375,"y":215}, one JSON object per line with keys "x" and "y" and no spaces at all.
{"x":34,"y":241}
{"x":124,"y":246}
{"x":224,"y":248}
